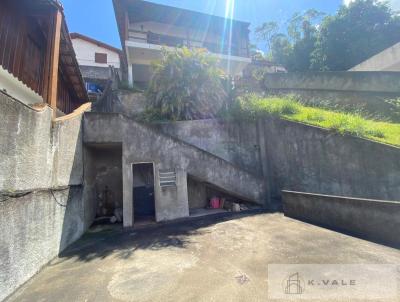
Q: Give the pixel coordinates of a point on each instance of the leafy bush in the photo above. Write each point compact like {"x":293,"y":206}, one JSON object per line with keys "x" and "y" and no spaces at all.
{"x":186,"y":85}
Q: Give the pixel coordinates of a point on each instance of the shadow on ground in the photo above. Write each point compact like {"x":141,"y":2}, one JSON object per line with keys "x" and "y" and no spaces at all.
{"x":116,"y":240}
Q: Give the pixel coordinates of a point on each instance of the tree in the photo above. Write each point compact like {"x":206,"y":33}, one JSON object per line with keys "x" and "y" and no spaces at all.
{"x":354,"y":34}
{"x":314,"y":42}
{"x":294,"y":49}
{"x":267,"y":32}
{"x":186,"y":85}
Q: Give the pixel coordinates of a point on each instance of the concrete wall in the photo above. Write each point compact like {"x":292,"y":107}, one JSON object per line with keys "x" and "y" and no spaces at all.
{"x":236,"y":142}
{"x":303,"y":158}
{"x":387,"y":60}
{"x":95,"y":73}
{"x":103,"y":178}
{"x":367,"y":90}
{"x":298,"y":157}
{"x":41,"y":176}
{"x":143,"y":144}
{"x":374,"y":220}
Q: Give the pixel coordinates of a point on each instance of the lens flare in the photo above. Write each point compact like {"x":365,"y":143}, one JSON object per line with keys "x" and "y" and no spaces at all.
{"x":228,"y":30}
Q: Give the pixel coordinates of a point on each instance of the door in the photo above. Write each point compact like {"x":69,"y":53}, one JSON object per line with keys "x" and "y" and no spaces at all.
{"x":143,"y":191}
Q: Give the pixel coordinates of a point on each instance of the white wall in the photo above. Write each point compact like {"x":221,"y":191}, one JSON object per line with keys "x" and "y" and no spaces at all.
{"x":197,"y":37}
{"x":85,"y":53}
{"x":387,"y":60}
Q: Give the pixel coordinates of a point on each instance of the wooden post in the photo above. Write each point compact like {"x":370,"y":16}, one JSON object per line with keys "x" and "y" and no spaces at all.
{"x":55,"y":61}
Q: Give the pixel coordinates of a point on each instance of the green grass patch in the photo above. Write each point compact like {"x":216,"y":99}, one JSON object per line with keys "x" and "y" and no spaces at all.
{"x":253,"y":107}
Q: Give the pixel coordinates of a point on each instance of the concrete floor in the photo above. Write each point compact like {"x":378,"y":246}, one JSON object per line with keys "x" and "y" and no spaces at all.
{"x":206,"y":259}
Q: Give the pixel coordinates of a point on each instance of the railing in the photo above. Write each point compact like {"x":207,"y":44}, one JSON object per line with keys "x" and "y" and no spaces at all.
{"x":171,"y":41}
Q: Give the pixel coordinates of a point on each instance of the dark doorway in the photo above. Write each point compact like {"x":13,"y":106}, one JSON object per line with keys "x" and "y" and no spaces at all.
{"x":143,"y":192}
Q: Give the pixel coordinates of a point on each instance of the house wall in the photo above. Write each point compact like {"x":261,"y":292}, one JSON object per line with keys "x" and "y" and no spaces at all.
{"x":85,"y":54}
{"x":197,"y":37}
{"x":42,"y":209}
{"x":362,"y":90}
{"x":18,"y":32}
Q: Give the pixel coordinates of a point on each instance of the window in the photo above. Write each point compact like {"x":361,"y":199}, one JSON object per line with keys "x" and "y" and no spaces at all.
{"x":100,"y":58}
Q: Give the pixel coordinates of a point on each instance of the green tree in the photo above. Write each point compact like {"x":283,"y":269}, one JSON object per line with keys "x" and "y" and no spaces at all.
{"x":339,"y":42}
{"x":354,"y":34}
{"x":186,"y":85}
{"x":294,"y":49}
{"x":266,"y":32}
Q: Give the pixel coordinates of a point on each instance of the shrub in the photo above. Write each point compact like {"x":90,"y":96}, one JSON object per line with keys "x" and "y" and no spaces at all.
{"x":186,"y":85}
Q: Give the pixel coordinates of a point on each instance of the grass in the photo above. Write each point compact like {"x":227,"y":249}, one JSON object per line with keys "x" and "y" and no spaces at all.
{"x":253,"y":107}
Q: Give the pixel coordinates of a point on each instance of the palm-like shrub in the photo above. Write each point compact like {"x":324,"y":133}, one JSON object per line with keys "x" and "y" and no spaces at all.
{"x":186,"y":85}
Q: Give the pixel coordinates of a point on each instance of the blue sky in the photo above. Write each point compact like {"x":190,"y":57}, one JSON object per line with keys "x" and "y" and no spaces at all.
{"x":96,"y":19}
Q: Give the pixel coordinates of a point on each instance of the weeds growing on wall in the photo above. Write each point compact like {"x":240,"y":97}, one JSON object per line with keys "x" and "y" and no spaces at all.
{"x":252,"y":107}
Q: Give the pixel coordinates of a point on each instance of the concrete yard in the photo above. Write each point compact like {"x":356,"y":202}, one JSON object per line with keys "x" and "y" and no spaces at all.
{"x":219,"y":258}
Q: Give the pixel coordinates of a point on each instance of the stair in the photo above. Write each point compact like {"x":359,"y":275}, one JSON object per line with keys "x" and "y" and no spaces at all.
{"x":144,"y":143}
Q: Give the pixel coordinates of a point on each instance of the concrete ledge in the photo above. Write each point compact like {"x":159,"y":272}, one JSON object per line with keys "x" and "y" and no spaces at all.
{"x":374,"y":220}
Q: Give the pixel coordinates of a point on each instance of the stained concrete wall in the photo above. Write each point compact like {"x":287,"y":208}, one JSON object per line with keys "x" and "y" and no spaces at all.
{"x":103,"y":178}
{"x":299,"y":157}
{"x":41,"y":176}
{"x":143,"y":144}
{"x":375,"y":220}
{"x":366,"y":90}
{"x":236,"y":142}
{"x":309,"y":159}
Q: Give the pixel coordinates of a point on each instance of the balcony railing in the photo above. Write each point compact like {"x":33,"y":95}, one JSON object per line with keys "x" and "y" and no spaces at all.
{"x":171,"y":41}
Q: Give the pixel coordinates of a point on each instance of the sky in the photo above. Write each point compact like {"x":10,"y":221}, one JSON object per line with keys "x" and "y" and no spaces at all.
{"x":95,"y":18}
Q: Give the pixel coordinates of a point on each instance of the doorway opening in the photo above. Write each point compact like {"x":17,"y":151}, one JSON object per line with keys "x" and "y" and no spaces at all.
{"x":143,"y":192}
{"x":103,"y":183}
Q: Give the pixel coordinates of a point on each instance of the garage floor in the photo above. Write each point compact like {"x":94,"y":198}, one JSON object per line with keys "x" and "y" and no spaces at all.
{"x":206,"y":259}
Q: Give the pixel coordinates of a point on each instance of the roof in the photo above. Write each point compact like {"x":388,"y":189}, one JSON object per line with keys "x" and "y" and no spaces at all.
{"x":141,"y":11}
{"x":94,"y":41}
{"x":69,"y":61}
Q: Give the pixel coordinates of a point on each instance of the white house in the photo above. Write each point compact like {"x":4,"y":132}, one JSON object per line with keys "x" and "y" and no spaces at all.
{"x":95,"y":57}
{"x":146,"y":28}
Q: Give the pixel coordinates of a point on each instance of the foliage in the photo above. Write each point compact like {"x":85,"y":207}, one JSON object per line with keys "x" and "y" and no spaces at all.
{"x":314,"y":42}
{"x":186,"y":85}
{"x":251,"y":107}
{"x":294,"y":49}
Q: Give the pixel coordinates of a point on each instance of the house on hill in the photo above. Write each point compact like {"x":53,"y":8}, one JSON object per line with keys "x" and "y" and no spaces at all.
{"x":95,"y":59}
{"x":37,"y":60}
{"x":146,"y":28}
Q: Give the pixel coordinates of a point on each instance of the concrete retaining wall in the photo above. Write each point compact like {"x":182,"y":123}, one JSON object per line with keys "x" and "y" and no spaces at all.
{"x":298,"y":157}
{"x":374,"y":220}
{"x":41,"y":176}
{"x":366,"y":90}
{"x":303,"y":158}
{"x":236,"y":142}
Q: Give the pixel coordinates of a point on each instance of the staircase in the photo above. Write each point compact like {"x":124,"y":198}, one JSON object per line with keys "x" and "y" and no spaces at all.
{"x":142,"y":143}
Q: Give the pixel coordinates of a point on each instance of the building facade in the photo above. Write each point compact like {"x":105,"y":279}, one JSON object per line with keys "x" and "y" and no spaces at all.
{"x":95,"y":59}
{"x":37,"y":60}
{"x":146,"y":28}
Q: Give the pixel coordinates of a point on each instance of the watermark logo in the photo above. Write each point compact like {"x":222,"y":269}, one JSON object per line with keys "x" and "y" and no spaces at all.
{"x":294,"y":285}
{"x":324,"y":282}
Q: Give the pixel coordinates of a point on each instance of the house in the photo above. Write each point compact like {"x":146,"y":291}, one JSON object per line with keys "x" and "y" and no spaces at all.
{"x":37,"y":60}
{"x":95,"y":59}
{"x":146,"y":28}
{"x":387,"y":60}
